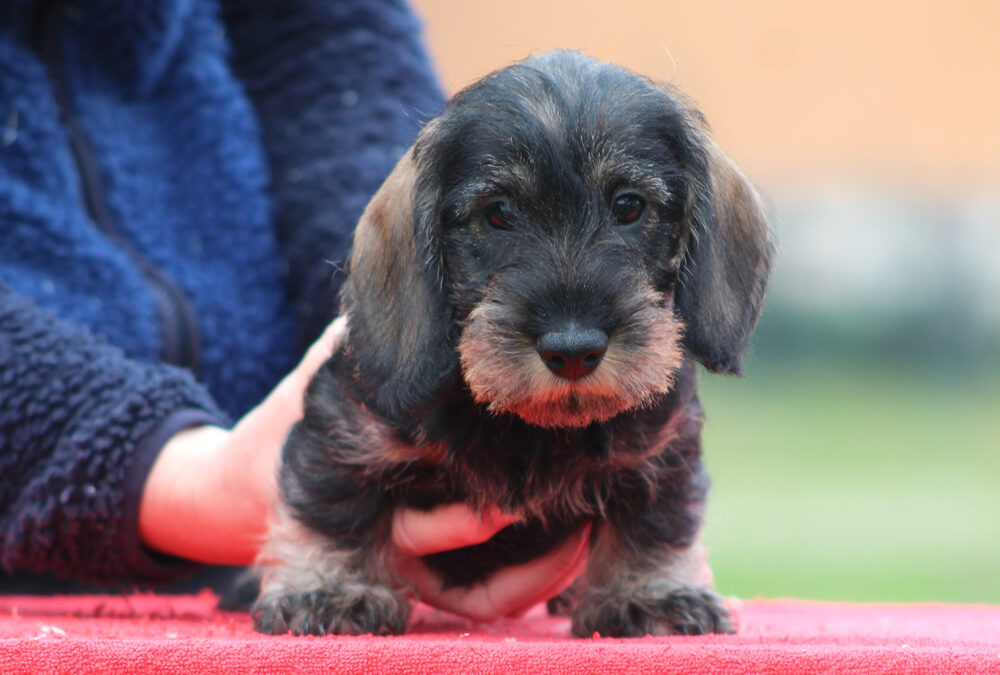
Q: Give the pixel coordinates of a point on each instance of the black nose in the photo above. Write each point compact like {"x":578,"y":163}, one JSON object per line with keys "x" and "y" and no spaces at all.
{"x":572,"y":352}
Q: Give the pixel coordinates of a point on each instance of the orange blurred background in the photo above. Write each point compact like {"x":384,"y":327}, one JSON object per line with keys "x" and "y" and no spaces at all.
{"x":895,"y":89}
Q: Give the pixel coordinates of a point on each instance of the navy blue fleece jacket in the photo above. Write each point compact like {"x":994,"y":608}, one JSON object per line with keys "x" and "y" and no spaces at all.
{"x":176,"y":178}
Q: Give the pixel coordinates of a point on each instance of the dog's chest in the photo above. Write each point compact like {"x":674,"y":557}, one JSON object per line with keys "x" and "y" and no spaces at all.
{"x":550,"y":474}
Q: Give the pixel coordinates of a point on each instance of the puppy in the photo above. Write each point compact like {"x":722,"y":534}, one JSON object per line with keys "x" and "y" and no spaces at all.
{"x":528,"y":294}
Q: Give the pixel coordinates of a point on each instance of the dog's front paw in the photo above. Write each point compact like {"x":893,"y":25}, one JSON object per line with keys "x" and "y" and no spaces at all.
{"x":682,"y":612}
{"x":376,"y":610}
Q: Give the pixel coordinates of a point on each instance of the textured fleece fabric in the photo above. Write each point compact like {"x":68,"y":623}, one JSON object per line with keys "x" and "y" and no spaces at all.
{"x":172,"y":172}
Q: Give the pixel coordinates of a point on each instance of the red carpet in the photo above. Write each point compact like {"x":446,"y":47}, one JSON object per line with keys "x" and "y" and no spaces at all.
{"x":102,"y":634}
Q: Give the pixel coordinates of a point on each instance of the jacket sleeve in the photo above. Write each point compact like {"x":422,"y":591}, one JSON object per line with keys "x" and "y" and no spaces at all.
{"x":80,"y":427}
{"x":340,"y":90}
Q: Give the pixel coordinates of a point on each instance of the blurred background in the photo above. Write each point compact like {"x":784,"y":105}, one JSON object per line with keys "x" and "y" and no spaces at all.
{"x":859,"y":459}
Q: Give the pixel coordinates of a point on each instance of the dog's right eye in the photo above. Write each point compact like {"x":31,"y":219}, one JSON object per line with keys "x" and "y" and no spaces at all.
{"x":627,"y":208}
{"x":497,"y":215}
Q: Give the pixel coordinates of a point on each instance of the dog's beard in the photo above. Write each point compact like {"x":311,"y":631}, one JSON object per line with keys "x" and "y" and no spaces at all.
{"x":504,"y":372}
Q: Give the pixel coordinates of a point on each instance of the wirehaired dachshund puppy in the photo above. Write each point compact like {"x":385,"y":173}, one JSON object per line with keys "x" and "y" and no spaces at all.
{"x":528,"y":294}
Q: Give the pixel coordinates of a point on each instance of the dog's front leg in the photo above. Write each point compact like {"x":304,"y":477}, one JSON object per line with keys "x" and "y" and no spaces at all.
{"x":632,"y":589}
{"x":314,"y":585}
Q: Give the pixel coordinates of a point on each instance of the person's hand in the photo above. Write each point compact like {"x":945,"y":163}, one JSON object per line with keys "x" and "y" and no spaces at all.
{"x":509,"y":591}
{"x":210,"y":492}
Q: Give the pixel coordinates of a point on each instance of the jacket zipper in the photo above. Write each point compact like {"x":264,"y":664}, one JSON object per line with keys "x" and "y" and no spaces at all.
{"x":181,"y":340}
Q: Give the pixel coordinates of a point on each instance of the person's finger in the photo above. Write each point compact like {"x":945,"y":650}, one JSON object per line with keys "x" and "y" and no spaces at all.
{"x":418,"y":533}
{"x":324,"y":347}
{"x":510,"y":590}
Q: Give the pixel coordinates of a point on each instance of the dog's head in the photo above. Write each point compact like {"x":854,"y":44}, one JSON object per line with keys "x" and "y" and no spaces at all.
{"x":559,"y":236}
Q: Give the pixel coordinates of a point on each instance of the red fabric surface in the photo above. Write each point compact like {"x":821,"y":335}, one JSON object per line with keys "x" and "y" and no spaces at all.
{"x":102,"y":634}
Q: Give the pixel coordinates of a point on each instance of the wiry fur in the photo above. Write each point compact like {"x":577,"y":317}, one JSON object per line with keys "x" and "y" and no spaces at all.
{"x":315,"y":585}
{"x":439,"y":393}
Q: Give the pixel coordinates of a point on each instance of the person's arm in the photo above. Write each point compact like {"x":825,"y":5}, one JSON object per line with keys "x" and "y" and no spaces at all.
{"x":80,"y":426}
{"x":340,"y":90}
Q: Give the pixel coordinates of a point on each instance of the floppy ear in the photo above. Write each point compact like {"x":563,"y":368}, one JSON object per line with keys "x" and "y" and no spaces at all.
{"x":398,"y":321}
{"x":721,"y":283}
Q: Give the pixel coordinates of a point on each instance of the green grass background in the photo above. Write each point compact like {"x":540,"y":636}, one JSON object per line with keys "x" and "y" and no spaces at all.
{"x":853,"y":482}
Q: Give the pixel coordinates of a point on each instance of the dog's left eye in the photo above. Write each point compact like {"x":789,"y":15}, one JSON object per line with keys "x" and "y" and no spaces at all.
{"x":627,"y":208}
{"x":497,"y":215}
